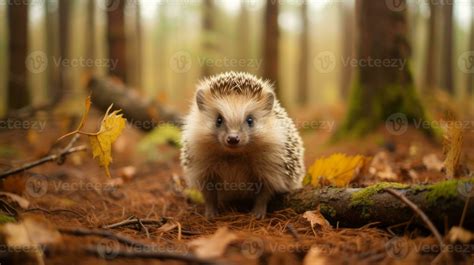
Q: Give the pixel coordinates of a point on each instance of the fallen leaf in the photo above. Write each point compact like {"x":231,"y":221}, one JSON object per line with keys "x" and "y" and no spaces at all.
{"x":380,"y":167}
{"x":315,"y":257}
{"x":459,"y":234}
{"x":213,"y":246}
{"x":336,"y":170}
{"x":101,"y":142}
{"x":29,"y":235}
{"x":167,"y":227}
{"x":432,"y":162}
{"x":194,"y":195}
{"x":22,"y":202}
{"x":316,"y":218}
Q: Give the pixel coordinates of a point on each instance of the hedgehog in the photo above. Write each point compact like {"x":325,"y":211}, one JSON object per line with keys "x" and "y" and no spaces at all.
{"x":238,"y":143}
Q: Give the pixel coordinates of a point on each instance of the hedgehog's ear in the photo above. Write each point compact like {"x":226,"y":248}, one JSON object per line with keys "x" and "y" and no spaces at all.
{"x":269,"y":101}
{"x":200,"y":99}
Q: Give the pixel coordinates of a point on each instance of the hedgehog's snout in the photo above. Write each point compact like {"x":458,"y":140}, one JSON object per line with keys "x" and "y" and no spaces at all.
{"x":233,"y":139}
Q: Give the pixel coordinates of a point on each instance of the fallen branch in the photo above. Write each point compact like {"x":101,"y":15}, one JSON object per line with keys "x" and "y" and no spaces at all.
{"x":142,"y":113}
{"x":356,"y":207}
{"x":102,"y":233}
{"x":59,"y":157}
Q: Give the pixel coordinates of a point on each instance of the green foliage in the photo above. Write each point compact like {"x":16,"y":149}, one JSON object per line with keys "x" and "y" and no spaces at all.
{"x":6,"y":219}
{"x":162,"y":136}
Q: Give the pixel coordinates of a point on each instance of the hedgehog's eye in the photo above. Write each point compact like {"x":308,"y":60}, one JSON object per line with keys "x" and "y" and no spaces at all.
{"x":219,"y":121}
{"x":249,"y":121}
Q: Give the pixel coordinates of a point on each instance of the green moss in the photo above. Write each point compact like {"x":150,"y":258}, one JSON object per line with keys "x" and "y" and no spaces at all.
{"x":6,"y":219}
{"x":444,"y":190}
{"x":327,"y":210}
{"x":363,"y":198}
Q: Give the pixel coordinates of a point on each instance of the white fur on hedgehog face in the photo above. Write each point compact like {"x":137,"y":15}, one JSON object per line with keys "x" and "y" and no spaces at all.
{"x":235,"y":123}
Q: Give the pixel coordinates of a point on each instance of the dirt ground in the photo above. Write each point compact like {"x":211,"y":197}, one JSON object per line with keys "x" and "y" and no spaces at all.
{"x":77,"y":194}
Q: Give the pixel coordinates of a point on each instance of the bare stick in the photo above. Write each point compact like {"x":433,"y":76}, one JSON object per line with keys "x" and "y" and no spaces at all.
{"x":135,"y":221}
{"x":422,"y":215}
{"x":53,"y":157}
{"x":102,"y":233}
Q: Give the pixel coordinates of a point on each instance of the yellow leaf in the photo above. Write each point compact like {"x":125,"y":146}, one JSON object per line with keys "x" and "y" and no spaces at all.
{"x":336,"y":170}
{"x":101,"y":142}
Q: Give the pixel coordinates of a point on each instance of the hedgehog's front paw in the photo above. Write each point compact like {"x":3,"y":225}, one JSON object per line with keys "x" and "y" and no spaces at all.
{"x":259,"y":211}
{"x":211,"y":212}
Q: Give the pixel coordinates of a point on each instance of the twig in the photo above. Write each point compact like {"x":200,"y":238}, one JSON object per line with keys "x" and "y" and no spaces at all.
{"x":144,"y":228}
{"x":51,"y":211}
{"x":293,"y":232}
{"x":135,"y":221}
{"x":147,"y":254}
{"x":102,"y":233}
{"x":423,"y":217}
{"x":464,"y":211}
{"x":53,"y":157}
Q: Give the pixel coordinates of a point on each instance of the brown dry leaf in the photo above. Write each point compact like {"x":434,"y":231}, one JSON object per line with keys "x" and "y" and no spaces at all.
{"x":432,"y":162}
{"x":316,"y":218}
{"x":213,"y":246}
{"x":315,"y":257}
{"x":101,"y":142}
{"x":29,"y":235}
{"x":459,"y":234}
{"x":381,"y":167}
{"x":22,"y":202}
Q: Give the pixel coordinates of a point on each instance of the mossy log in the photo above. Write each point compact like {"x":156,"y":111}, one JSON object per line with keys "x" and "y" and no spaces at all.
{"x":443,"y":202}
{"x":141,"y":113}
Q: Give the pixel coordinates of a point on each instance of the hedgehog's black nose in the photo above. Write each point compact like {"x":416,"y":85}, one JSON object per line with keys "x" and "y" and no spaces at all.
{"x":233,"y":140}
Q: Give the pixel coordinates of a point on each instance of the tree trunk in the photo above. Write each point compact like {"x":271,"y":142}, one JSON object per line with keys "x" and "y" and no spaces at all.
{"x":383,"y":84}
{"x":52,"y":24}
{"x":348,"y":30}
{"x":443,"y":202}
{"x":18,"y":93}
{"x":430,"y":65}
{"x":64,"y":48}
{"x":447,"y":50}
{"x":244,"y":34}
{"x":304,"y":47}
{"x":134,"y":45}
{"x":116,"y":37}
{"x":208,"y":29}
{"x":271,"y":37}
{"x":470,"y":77}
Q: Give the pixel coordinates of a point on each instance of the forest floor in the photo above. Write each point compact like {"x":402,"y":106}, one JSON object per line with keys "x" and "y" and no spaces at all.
{"x":77,"y":194}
